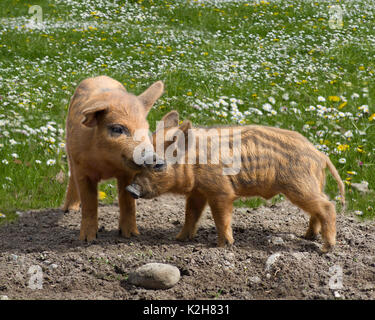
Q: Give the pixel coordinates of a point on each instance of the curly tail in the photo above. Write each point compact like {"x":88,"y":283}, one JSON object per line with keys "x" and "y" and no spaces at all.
{"x":340,"y":184}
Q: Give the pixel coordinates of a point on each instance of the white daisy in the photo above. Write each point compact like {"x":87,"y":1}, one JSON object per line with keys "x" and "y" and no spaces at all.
{"x":272,"y":100}
{"x":267,"y":107}
{"x":51,"y":162}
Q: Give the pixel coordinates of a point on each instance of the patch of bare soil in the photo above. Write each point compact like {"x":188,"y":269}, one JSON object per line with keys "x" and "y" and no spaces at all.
{"x":42,"y":258}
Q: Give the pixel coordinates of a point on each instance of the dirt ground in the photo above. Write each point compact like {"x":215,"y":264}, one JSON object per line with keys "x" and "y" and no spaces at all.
{"x":42,"y":258}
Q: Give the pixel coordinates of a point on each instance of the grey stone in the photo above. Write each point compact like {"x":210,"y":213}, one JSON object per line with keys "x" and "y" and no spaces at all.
{"x":271,"y":260}
{"x":277,"y":240}
{"x":14,"y":257}
{"x":155,"y":276}
{"x":300,"y":255}
{"x":291,"y":236}
{"x":255,"y":279}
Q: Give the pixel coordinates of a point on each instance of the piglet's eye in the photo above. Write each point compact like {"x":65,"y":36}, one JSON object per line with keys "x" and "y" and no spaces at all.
{"x":118,"y":129}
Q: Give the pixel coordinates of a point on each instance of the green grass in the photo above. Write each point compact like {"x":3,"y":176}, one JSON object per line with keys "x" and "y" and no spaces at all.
{"x":205,"y":54}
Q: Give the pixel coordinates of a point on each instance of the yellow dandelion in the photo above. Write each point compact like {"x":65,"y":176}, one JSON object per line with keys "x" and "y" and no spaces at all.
{"x":102,"y":195}
{"x":334,"y":98}
{"x":342,"y":147}
{"x":372,"y":117}
{"x":342,"y":105}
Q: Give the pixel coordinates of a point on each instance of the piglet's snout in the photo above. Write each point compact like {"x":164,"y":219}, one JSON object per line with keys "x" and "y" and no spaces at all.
{"x":152,"y":160}
{"x":134,"y":190}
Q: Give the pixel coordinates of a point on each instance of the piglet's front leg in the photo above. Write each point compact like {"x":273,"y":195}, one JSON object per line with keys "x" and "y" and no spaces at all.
{"x":127,"y":222}
{"x":195,"y":204}
{"x":222,"y":209}
{"x":88,"y":191}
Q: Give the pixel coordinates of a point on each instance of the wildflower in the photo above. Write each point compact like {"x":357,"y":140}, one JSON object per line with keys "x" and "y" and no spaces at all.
{"x":51,"y":162}
{"x":364,"y":108}
{"x":321,"y":99}
{"x":338,"y":198}
{"x":343,"y":147}
{"x":267,"y":107}
{"x":14,"y":155}
{"x":320,"y":133}
{"x":272,"y":100}
{"x":334,"y":98}
{"x":352,"y":173}
{"x":360,"y":149}
{"x":372,"y":117}
{"x":358,"y":212}
{"x":342,"y":160}
{"x":283,"y":109}
{"x":2,"y":215}
{"x":102,"y":195}
{"x":38,"y":161}
{"x":285,"y":96}
{"x":342,"y":105}
{"x":348,"y":134}
{"x":355,"y":96}
{"x":223,"y":102}
{"x":5,"y":161}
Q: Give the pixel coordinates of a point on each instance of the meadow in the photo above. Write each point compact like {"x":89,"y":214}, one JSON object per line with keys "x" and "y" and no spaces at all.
{"x":301,"y":65}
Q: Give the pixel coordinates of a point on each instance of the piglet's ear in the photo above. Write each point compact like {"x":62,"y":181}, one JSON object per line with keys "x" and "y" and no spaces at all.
{"x":151,"y":94}
{"x":170,"y":120}
{"x":91,"y":113}
{"x":185,"y":139}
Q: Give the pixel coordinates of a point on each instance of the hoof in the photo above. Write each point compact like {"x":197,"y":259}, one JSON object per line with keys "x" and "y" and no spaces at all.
{"x":327,"y":248}
{"x":310,"y":236}
{"x":88,"y":236}
{"x":128,"y":233}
